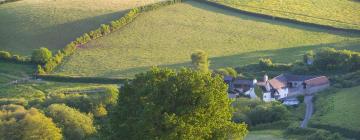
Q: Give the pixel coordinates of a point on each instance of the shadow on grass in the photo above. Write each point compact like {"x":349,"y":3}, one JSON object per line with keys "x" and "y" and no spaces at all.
{"x":230,"y":12}
{"x":285,"y":55}
{"x":53,"y":37}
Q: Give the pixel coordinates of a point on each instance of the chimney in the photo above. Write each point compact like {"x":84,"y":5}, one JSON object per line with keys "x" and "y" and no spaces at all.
{"x":266,"y":77}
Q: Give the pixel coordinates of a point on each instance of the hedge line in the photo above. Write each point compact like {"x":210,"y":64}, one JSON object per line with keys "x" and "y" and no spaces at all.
{"x":73,"y":79}
{"x":343,"y":131}
{"x":281,"y":19}
{"x":8,"y":57}
{"x":103,"y":30}
{"x":6,"y":1}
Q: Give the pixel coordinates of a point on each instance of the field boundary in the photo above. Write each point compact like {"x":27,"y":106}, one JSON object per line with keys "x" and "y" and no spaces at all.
{"x":281,"y":19}
{"x":78,"y":79}
{"x":343,"y":131}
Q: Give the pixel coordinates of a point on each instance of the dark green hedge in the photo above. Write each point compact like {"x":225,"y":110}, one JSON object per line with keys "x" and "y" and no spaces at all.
{"x":8,"y":57}
{"x":72,"y":79}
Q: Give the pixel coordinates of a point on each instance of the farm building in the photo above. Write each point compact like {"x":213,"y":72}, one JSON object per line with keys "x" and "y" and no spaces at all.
{"x":280,"y":87}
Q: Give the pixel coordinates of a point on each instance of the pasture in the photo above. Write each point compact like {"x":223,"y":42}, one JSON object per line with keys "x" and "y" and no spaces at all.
{"x":29,"y":24}
{"x":11,"y":71}
{"x":337,"y":13}
{"x":167,"y":36}
{"x":340,"y":109}
{"x":265,"y":135}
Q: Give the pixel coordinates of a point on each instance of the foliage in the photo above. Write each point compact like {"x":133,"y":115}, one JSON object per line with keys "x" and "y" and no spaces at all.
{"x":200,"y":62}
{"x":75,"y":125}
{"x":255,"y":112}
{"x":8,"y":57}
{"x":330,"y":59}
{"x":86,"y":102}
{"x":18,"y":123}
{"x":41,"y":56}
{"x":162,"y":104}
{"x":267,"y":64}
{"x":228,"y":71}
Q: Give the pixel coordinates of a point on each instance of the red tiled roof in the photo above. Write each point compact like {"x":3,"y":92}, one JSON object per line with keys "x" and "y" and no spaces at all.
{"x":318,"y":81}
{"x":278,"y":82}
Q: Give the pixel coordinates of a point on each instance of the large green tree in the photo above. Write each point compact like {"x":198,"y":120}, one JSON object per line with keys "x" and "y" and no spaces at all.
{"x":163,"y":104}
{"x":41,"y":55}
{"x":200,"y":61}
{"x":17,"y":123}
{"x":75,"y":125}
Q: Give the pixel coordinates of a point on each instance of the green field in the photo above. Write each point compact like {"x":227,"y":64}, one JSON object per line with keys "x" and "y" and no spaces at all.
{"x":29,"y":24}
{"x":340,"y":109}
{"x":163,"y":39}
{"x":10,"y":71}
{"x":265,"y":135}
{"x":338,"y":13}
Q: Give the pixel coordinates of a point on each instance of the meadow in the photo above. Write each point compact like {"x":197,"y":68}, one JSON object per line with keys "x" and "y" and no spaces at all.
{"x":11,"y":71}
{"x":340,"y":109}
{"x":167,"y":37}
{"x":265,"y":134}
{"x":337,"y":13}
{"x":29,"y":24}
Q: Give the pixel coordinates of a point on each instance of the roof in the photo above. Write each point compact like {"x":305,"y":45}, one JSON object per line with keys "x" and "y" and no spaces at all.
{"x":242,"y":82}
{"x":228,"y":78}
{"x":318,"y":81}
{"x":281,"y":80}
{"x":278,"y":82}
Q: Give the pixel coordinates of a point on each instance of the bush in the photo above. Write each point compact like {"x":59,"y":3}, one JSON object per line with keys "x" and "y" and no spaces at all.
{"x":265,"y":63}
{"x":75,"y":125}
{"x":41,"y":56}
{"x":337,"y":60}
{"x":5,"y":55}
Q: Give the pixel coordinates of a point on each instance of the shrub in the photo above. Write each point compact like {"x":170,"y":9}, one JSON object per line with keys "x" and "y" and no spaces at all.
{"x":265,"y":63}
{"x":19,"y":123}
{"x":41,"y":56}
{"x":75,"y":125}
{"x":5,"y":55}
{"x":105,"y":29}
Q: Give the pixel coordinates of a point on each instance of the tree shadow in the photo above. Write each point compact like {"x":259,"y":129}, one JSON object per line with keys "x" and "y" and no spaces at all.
{"x":53,"y":37}
{"x":285,"y":55}
{"x":289,"y":24}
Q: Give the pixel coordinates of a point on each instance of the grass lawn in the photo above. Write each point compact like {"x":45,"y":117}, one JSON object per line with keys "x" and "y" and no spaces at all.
{"x":163,"y":39}
{"x":29,"y":24}
{"x":11,"y":71}
{"x":265,"y":135}
{"x":340,"y":109}
{"x":38,"y":90}
{"x":338,"y":13}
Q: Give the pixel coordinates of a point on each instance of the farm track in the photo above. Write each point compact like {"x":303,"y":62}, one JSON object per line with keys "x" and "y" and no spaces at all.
{"x":281,"y":19}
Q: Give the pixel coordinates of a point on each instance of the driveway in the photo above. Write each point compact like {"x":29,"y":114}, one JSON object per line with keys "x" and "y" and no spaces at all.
{"x":309,"y":110}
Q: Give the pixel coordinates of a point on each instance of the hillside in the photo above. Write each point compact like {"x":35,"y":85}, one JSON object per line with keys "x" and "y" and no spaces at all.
{"x":231,"y":39}
{"x":337,"y":13}
{"x":29,"y":24}
{"x":339,"y":110}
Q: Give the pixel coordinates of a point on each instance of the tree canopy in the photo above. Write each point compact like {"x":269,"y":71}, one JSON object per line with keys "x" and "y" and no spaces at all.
{"x":41,"y":56}
{"x":75,"y":125}
{"x":200,"y":61}
{"x":163,"y":104}
{"x":18,"y":123}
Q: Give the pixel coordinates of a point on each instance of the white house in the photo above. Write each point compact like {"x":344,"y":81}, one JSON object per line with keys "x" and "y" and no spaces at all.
{"x":287,"y":85}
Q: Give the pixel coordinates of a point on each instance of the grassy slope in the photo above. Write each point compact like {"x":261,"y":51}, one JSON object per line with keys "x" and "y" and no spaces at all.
{"x":342,"y":109}
{"x":29,"y":24}
{"x":161,"y":38}
{"x":265,"y":135}
{"x":10,"y":71}
{"x":346,"y":11}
